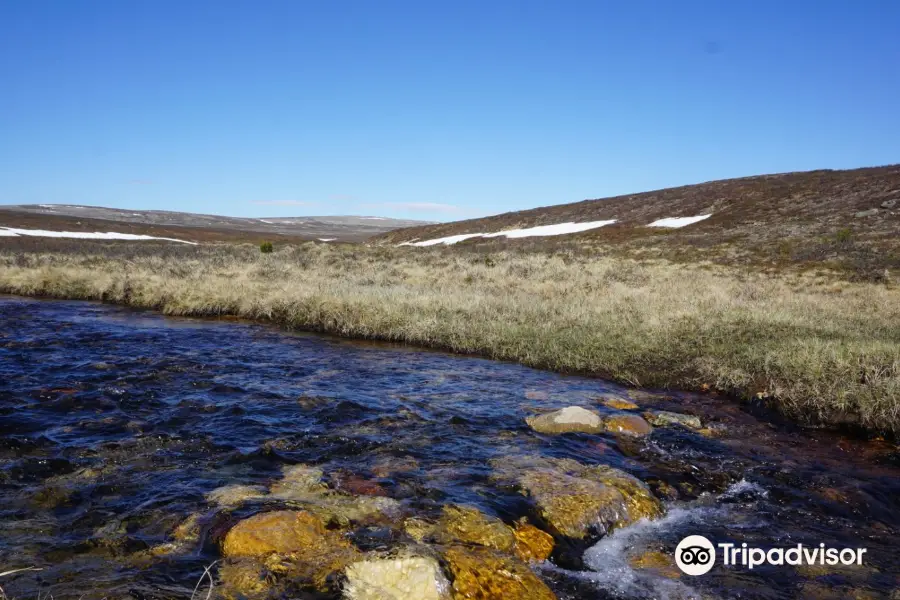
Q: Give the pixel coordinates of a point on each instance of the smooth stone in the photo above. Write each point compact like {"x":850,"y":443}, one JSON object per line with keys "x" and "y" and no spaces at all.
{"x":572,"y":419}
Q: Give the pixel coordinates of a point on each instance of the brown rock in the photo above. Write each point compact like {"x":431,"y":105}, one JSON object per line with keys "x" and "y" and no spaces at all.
{"x":618,"y":403}
{"x":471,"y":526}
{"x":574,"y":498}
{"x":484,"y":574}
{"x":281,"y":532}
{"x":659,"y":562}
{"x":627,"y":424}
{"x":532,"y":544}
{"x":243,"y":578}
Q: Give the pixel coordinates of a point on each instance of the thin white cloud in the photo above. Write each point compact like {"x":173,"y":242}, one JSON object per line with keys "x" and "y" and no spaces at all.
{"x":284,"y":203}
{"x":418,"y":206}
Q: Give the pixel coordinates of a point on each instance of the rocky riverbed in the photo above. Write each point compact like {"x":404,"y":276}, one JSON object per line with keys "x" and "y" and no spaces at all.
{"x":141,"y":455}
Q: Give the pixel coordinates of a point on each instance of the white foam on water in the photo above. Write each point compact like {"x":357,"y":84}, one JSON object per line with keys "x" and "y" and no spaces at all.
{"x":676,"y":222}
{"x":85,"y":235}
{"x":607,"y":560}
{"x":744,"y":488}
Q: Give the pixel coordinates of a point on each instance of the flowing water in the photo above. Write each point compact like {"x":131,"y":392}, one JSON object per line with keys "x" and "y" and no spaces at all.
{"x":115,"y":425}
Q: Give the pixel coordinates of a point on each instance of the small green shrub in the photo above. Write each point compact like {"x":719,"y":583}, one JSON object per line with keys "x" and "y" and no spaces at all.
{"x":843,"y":236}
{"x":266,"y":248}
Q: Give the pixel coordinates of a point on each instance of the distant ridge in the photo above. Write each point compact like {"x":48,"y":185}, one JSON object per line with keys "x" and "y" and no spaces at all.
{"x":74,"y":217}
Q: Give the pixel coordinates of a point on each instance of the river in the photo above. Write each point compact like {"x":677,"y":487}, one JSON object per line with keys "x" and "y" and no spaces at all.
{"x":116,"y":425}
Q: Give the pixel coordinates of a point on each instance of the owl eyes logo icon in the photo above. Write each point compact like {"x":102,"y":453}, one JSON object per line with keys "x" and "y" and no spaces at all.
{"x":695,"y":555}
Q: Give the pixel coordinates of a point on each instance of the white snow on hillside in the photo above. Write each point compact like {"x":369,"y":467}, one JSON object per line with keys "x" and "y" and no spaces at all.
{"x":558,"y":229}
{"x":542,"y":230}
{"x":678,"y":221}
{"x":84,"y":235}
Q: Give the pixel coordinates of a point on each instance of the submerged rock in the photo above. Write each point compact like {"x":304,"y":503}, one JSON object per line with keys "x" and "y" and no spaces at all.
{"x":627,"y":424}
{"x":243,"y":578}
{"x":413,"y":577}
{"x":486,"y":574}
{"x":532,"y":544}
{"x":281,"y":532}
{"x":471,"y":526}
{"x":577,"y":499}
{"x":662,"y":418}
{"x":189,"y":529}
{"x":234,"y":495}
{"x":618,"y":403}
{"x":659,"y":562}
{"x":299,"y":480}
{"x":572,"y":419}
{"x":418,"y":529}
{"x":301,"y":485}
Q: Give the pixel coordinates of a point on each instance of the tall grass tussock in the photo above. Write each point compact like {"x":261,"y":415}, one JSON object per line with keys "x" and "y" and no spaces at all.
{"x":818,"y":349}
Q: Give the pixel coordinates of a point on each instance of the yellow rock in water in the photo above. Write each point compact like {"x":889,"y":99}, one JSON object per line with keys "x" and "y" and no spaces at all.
{"x":618,"y":403}
{"x":484,"y":574}
{"x":281,"y":532}
{"x":471,"y":526}
{"x":657,"y":561}
{"x":532,"y":544}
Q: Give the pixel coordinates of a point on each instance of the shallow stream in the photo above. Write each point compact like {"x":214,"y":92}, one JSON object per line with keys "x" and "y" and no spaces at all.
{"x":115,"y":425}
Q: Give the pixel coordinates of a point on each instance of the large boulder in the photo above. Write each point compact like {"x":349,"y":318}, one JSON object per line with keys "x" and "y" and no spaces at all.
{"x":398,"y":578}
{"x":486,"y":574}
{"x":572,"y":419}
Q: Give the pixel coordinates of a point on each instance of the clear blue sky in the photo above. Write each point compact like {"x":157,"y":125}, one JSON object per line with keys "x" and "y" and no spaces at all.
{"x":435,"y":110}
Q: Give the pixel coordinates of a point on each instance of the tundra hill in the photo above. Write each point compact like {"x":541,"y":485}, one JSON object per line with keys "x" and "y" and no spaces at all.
{"x":195,"y":227}
{"x":841,"y":219}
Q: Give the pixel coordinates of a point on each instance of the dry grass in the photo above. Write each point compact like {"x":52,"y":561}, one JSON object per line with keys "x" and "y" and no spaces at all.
{"x":820,"y":349}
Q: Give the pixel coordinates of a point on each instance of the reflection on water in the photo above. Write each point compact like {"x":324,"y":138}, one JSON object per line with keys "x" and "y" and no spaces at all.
{"x":115,"y":427}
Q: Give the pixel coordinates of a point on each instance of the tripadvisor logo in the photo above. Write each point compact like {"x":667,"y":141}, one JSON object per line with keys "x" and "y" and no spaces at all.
{"x":696,"y":555}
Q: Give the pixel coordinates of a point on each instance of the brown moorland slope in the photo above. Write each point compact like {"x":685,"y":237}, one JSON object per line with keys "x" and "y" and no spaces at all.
{"x":195,"y":227}
{"x":850,"y":219}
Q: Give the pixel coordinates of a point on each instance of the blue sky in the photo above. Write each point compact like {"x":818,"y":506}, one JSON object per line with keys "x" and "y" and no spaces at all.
{"x":433,"y":110}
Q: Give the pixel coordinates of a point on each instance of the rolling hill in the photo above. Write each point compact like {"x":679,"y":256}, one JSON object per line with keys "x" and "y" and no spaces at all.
{"x":195,"y":227}
{"x":849,"y":217}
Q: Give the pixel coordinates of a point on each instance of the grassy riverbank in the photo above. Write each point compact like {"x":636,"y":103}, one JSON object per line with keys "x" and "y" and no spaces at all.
{"x":821,"y":350}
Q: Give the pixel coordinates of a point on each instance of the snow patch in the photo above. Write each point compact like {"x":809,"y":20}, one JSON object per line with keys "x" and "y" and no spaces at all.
{"x":264,"y":221}
{"x":326,"y":239}
{"x":447,"y":241}
{"x":558,"y":229}
{"x":676,"y":222}
{"x":84,"y":235}
{"x":542,"y":230}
